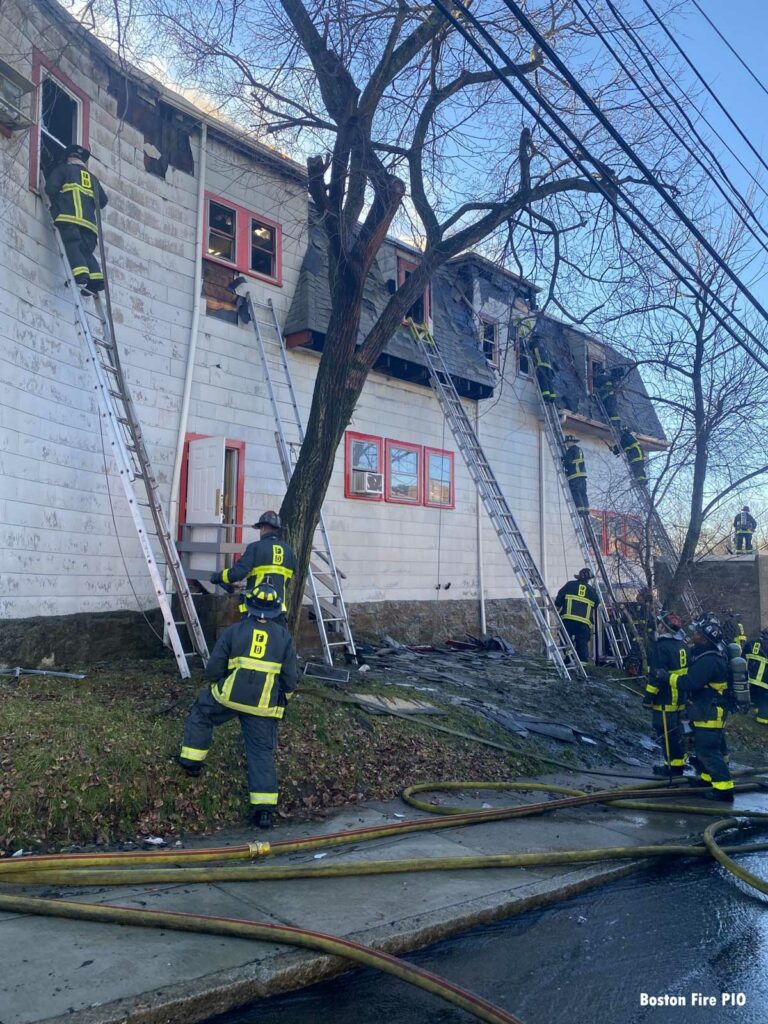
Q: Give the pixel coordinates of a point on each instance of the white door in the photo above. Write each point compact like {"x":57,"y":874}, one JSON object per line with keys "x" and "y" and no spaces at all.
{"x":205,"y":493}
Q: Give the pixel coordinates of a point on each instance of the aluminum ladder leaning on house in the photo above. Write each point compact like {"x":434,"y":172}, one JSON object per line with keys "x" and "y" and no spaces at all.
{"x":127,"y":446}
{"x":653,"y":519}
{"x":323,"y":575}
{"x":611,"y":619}
{"x":559,"y":648}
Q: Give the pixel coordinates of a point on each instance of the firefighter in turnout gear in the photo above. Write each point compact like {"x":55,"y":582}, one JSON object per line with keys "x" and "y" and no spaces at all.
{"x":733,"y":631}
{"x":269,"y":560}
{"x":576,"y":602}
{"x":543,"y":366}
{"x":634,"y":453}
{"x":744,"y":526}
{"x":75,"y":196}
{"x":252,"y":671}
{"x":705,"y":688}
{"x":668,"y":663}
{"x":756,"y":653}
{"x":576,"y":474}
{"x":605,"y":383}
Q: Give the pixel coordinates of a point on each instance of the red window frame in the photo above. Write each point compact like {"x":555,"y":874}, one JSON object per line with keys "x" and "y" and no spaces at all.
{"x":41,"y":64}
{"x":349,"y":437}
{"x":243,"y":217}
{"x":404,"y":265}
{"x":239,"y":487}
{"x":389,"y":444}
{"x":621,"y":533}
{"x":491,"y":321}
{"x":452,"y":462}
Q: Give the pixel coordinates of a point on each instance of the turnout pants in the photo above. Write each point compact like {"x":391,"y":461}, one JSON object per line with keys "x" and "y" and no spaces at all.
{"x":544,"y":375}
{"x":578,"y":487}
{"x":80,"y":244}
{"x":670,"y":738}
{"x":759,"y":694}
{"x":708,"y":721}
{"x":259,"y":734}
{"x":611,"y":407}
{"x":579,"y":632}
{"x":745,"y":539}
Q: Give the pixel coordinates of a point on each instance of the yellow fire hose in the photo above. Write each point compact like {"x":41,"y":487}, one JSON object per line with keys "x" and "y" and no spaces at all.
{"x":161,"y":866}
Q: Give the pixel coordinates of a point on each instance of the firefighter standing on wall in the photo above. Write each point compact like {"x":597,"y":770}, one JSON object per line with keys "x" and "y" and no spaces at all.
{"x":705,"y":687}
{"x":576,"y":602}
{"x":252,"y":671}
{"x":668,"y":661}
{"x":576,"y":474}
{"x":756,"y":653}
{"x":75,"y":196}
{"x":634,"y":453}
{"x":744,"y":526}
{"x":269,"y":560}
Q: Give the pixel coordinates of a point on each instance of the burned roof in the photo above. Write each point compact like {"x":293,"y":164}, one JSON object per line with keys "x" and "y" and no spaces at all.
{"x":453,"y":323}
{"x":570,"y":350}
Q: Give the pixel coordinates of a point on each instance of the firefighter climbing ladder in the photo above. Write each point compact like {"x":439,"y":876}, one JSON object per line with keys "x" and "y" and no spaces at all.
{"x":609,"y":611}
{"x":323,"y":576}
{"x":653,"y":519}
{"x":558,"y":644}
{"x":127,"y":447}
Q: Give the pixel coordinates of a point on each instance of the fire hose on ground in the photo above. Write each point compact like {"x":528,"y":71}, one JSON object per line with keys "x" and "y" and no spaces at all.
{"x":120,"y":868}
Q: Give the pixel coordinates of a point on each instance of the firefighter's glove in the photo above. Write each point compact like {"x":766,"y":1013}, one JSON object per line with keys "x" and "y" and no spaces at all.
{"x":648,"y":700}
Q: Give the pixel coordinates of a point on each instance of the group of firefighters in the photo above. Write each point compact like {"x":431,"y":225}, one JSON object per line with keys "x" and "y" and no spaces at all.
{"x":253,"y":669}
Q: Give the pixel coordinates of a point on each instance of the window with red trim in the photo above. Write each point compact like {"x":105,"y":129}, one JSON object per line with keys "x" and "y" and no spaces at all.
{"x":438,"y":478}
{"x":363,"y":469}
{"x":62,"y":117}
{"x":402,"y":472}
{"x":243,"y":240}
{"x":420,"y":310}
{"x":618,"y":533}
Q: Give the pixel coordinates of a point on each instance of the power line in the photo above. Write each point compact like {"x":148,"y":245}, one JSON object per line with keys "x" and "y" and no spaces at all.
{"x":737,"y":55}
{"x":643,"y":51}
{"x":610,"y":192}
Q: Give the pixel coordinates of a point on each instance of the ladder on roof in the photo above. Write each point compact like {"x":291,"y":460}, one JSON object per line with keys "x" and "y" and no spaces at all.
{"x":323,"y":576}
{"x":609,"y":610}
{"x":127,"y":447}
{"x":559,"y":648}
{"x":653,"y":519}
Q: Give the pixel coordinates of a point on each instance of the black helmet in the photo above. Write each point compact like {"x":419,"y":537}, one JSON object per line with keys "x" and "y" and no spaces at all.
{"x":79,"y":151}
{"x":745,"y":508}
{"x":269,"y":518}
{"x":585,"y":574}
{"x":570,"y":438}
{"x":709,"y":627}
{"x":263,"y":602}
{"x":669,"y":621}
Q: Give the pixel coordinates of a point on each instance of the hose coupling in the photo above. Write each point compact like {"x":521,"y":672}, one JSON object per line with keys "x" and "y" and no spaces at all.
{"x":258,"y":850}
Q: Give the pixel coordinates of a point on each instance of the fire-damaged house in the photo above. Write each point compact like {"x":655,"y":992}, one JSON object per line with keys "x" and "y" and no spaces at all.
{"x":195,"y":204}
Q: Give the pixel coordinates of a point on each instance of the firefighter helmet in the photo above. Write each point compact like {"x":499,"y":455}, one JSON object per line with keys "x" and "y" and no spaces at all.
{"x":571,"y":439}
{"x":710,"y":628}
{"x":263,"y":602}
{"x":269,"y":518}
{"x":79,"y":151}
{"x":585,"y":574}
{"x":669,"y":621}
{"x":745,"y":508}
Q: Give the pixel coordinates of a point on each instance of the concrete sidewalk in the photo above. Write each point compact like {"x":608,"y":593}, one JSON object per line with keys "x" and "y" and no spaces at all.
{"x":56,"y":970}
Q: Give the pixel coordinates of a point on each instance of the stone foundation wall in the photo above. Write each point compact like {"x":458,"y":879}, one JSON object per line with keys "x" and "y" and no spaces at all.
{"x":730,"y":586}
{"x":71,"y":642}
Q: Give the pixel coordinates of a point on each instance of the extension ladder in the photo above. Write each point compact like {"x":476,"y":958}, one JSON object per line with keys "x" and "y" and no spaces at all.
{"x":609,"y":611}
{"x":559,"y":648}
{"x":127,"y":446}
{"x":653,"y":519}
{"x":323,"y":576}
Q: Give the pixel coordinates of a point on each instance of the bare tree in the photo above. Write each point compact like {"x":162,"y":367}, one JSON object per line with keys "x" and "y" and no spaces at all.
{"x":406,"y":129}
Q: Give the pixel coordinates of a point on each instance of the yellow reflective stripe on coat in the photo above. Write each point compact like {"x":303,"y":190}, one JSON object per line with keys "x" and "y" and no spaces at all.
{"x":248,"y":709}
{"x":193,"y":754}
{"x":762,"y":663}
{"x":569,"y":613}
{"x":256,"y":664}
{"x":638,"y":456}
{"x":66,"y":218}
{"x":263,"y":798}
{"x":722,"y":785}
{"x":712,"y":723}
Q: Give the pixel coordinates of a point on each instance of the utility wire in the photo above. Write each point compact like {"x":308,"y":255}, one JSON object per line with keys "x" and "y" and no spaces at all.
{"x":642,"y":50}
{"x":630,"y":152}
{"x":737,"y":55}
{"x":578,"y":157}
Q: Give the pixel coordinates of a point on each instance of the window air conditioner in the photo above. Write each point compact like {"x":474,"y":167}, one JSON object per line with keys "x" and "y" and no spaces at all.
{"x":364,"y":482}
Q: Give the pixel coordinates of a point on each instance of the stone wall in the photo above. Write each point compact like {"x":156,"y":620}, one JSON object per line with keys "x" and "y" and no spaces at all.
{"x":730,"y":585}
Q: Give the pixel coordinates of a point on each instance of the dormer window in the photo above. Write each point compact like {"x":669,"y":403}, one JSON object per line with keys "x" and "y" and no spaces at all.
{"x":420,"y":310}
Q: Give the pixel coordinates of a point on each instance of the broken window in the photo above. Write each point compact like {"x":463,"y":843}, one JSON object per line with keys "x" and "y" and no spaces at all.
{"x":419,"y":311}
{"x":222,"y":232}
{"x":594,"y":366}
{"x":263,"y":249}
{"x":489,"y":340}
{"x":60,"y":118}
